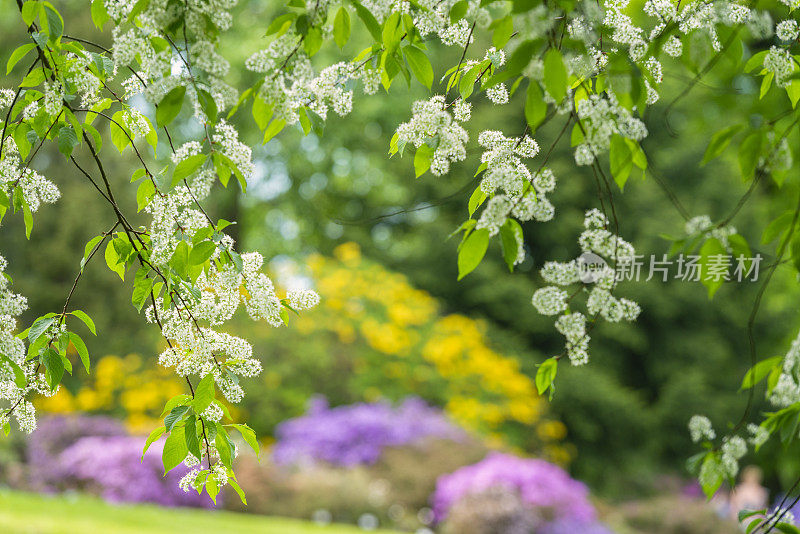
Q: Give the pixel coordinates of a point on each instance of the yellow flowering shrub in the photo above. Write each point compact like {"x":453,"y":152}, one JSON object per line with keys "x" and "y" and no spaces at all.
{"x":376,"y":336}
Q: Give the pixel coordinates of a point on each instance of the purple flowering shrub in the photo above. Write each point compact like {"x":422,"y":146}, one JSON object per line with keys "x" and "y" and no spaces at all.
{"x":52,"y":436}
{"x":544,"y":494}
{"x":358,"y":433}
{"x":97,"y":455}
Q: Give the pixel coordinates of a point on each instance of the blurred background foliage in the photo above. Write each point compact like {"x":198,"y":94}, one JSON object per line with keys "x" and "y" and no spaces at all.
{"x":339,"y":198}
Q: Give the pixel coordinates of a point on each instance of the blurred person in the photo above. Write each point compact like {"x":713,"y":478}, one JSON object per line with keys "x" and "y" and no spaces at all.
{"x":749,"y":494}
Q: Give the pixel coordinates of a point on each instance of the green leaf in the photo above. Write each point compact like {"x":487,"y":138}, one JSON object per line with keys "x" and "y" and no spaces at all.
{"x":341,"y":27}
{"x":54,"y":366}
{"x":190,"y":433}
{"x":17,"y":55}
{"x":249,"y":436}
{"x":201,"y":252}
{"x":713,"y":482}
{"x":238,"y":489}
{"x":180,"y":259}
{"x":273,"y":129}
{"x":467,"y":83}
{"x":719,"y":142}
{"x":30,"y":10}
{"x":712,"y":277}
{"x":503,"y":30}
{"x":510,"y":237}
{"x":472,"y":251}
{"x":120,"y":136}
{"x":223,"y":444}
{"x":203,"y":394}
{"x":55,"y":24}
{"x":142,"y":287}
{"x":33,"y":78}
{"x":369,"y":21}
{"x":391,"y":32}
{"x":154,"y":435}
{"x":546,"y":374}
{"x":555,"y":75}
{"x":113,"y":260}
{"x":458,"y":11}
{"x":67,"y":140}
{"x":207,"y":104}
{"x":27,"y":216}
{"x":175,"y":450}
{"x":621,"y":160}
{"x":170,"y":106}
{"x":749,"y":152}
{"x":535,"y":106}
{"x":760,"y":371}
{"x":19,"y":374}
{"x":86,"y":320}
{"x":144,"y":193}
{"x":475,"y":200}
{"x":756,"y":60}
{"x":174,"y":416}
{"x":99,"y":13}
{"x":177,"y":400}
{"x":187,"y":167}
{"x":420,"y":65}
{"x":39,"y":327}
{"x":422,"y":160}
{"x":80,"y":346}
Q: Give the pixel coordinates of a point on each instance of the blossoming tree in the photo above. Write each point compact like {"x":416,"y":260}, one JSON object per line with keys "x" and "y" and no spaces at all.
{"x":594,"y":67}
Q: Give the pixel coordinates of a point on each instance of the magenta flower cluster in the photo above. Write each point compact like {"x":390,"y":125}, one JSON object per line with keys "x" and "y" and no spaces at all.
{"x":358,"y":433}
{"x":540,"y":484}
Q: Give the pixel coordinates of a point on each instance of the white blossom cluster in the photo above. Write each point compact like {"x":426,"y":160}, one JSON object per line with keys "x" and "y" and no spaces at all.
{"x":197,"y":350}
{"x":787,"y":391}
{"x":290,"y":82}
{"x":780,"y":63}
{"x":523,"y":194}
{"x":552,"y":300}
{"x":14,"y":397}
{"x":432,"y":124}
{"x":433,"y":16}
{"x":787,"y":30}
{"x":36,"y":189}
{"x":160,"y":70}
{"x":702,"y":225}
{"x":700,"y":428}
{"x":602,"y":117}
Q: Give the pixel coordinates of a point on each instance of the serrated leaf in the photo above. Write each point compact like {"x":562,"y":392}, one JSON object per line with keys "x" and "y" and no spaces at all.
{"x":472,"y":252}
{"x":204,"y":394}
{"x":420,"y":65}
{"x":19,"y":53}
{"x":546,"y":374}
{"x":175,"y":450}
{"x":174,"y":416}
{"x":719,"y":142}
{"x":83,"y":316}
{"x":555,"y":74}
{"x":341,"y":27}
{"x":154,"y":435}
{"x":80,"y":347}
{"x":170,"y":106}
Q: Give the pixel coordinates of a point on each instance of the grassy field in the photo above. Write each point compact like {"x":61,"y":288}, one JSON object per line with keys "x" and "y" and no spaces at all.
{"x":28,"y":513}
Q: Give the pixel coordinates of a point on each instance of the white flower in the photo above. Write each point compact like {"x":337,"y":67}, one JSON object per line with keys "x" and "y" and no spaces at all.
{"x":700,"y":428}
{"x":550,"y":300}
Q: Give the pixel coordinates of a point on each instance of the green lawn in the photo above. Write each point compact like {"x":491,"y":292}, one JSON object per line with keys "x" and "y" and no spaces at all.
{"x":29,"y":513}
